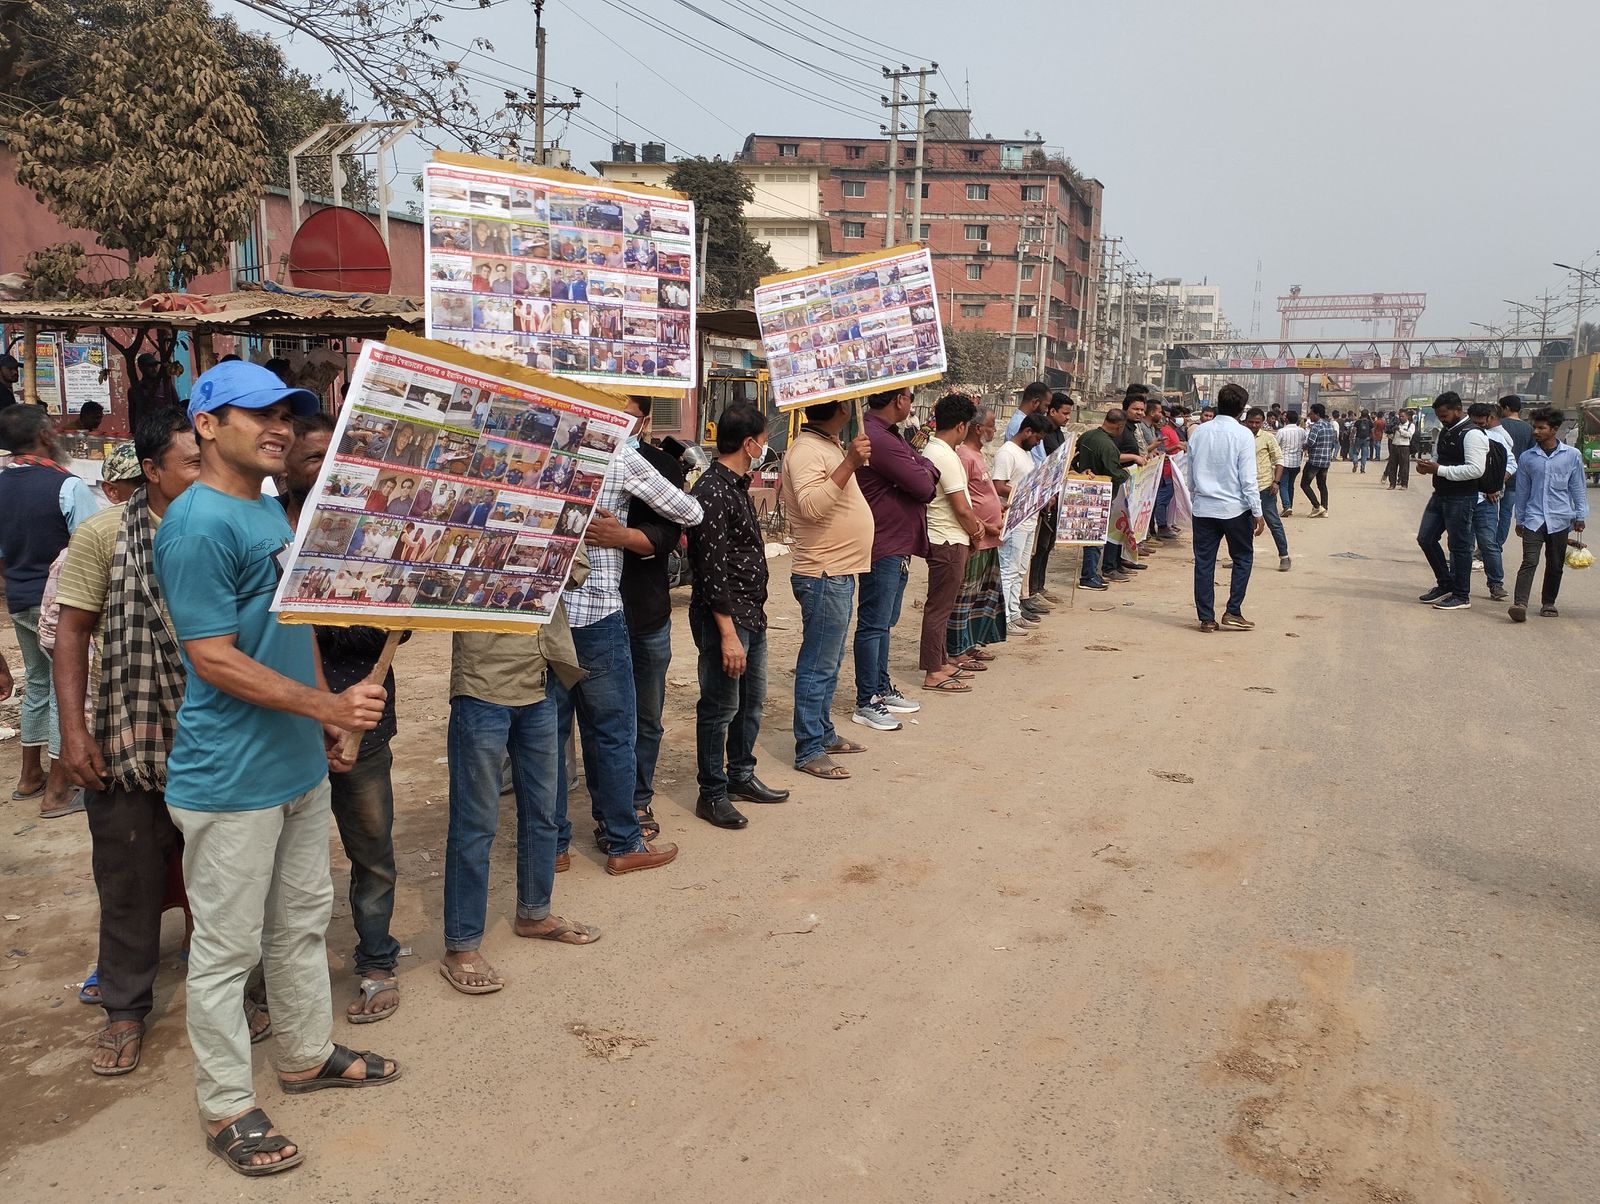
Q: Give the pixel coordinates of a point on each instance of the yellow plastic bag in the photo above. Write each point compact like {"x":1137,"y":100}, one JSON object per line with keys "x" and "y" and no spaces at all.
{"x":1579,"y":556}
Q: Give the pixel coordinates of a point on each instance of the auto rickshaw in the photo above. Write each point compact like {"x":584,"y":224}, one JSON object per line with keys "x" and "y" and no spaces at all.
{"x":1586,"y":438}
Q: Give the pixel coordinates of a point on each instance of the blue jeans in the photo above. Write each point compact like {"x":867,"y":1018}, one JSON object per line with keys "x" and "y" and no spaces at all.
{"x":1507,"y":499}
{"x":1449,"y":515}
{"x":1269,"y":512}
{"x":1164,"y":493}
{"x":825,"y":625}
{"x":1286,"y":488}
{"x":363,"y":807}
{"x":39,"y":726}
{"x":882,"y":591}
{"x":652,"y":653}
{"x":1089,"y":574}
{"x":1209,"y":533}
{"x":728,"y":715}
{"x":607,"y":711}
{"x":1359,"y":453}
{"x":481,"y":733}
{"x":1486,"y":528}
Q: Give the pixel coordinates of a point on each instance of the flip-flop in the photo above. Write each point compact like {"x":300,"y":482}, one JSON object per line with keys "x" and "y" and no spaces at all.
{"x":842,"y":746}
{"x":18,"y":797}
{"x":822,"y":766}
{"x":565,"y":929}
{"x":950,"y":685}
{"x":970,"y":666}
{"x":370,"y":989}
{"x":981,"y":654}
{"x":118,"y":1042}
{"x":72,"y":806}
{"x":83,"y":991}
{"x":494,"y":984}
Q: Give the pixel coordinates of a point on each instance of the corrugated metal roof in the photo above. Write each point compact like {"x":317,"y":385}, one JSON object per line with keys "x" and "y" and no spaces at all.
{"x":274,"y":310}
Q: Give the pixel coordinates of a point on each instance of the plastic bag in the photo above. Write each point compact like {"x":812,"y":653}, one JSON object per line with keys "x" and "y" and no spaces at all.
{"x":1579,"y":556}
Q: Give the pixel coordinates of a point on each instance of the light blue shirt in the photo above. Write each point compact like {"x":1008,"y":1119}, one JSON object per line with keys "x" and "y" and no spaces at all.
{"x":1550,"y":487}
{"x":1038,"y":453}
{"x":218,"y":561}
{"x":1222,"y":469}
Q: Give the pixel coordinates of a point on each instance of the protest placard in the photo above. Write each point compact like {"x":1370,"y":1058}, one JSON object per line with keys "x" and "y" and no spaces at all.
{"x":1035,"y":491}
{"x":454,"y":494}
{"x":1131,"y":511}
{"x":591,"y":280}
{"x":1181,"y":508}
{"x":858,"y":326}
{"x":1084,"y":516}
{"x":83,"y":372}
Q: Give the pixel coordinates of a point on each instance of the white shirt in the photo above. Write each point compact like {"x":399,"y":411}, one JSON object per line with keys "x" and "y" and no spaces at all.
{"x":1292,"y":439}
{"x":1402,"y":435}
{"x":1475,"y":448}
{"x":1222,"y":469}
{"x":1011,"y":464}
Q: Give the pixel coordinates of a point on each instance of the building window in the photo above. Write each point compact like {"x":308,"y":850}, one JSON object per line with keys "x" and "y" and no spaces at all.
{"x":922,"y":237}
{"x":1032,"y":234}
{"x":977,"y":233}
{"x":1083,"y":250}
{"x":1010,"y":157}
{"x":855,"y":229}
{"x":972,"y":310}
{"x":974,"y":271}
{"x":855,"y":188}
{"x":909,"y":155}
{"x":910,"y":191}
{"x":1025,"y":310}
{"x":855,"y":152}
{"x":1027,"y":271}
{"x":977,"y":192}
{"x":974,"y":154}
{"x":1032,"y":192}
{"x":788,"y":150}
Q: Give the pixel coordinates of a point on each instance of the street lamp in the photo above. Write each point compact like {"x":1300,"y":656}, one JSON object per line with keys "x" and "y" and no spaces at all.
{"x":1583,"y":274}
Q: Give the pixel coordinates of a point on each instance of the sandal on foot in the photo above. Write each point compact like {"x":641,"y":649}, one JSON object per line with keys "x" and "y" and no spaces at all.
{"x":332,"y":1072}
{"x":950,"y":685}
{"x":647,"y":823}
{"x":247,"y":1136}
{"x":566,"y":932}
{"x":252,"y":1008}
{"x":92,"y":981}
{"x":981,"y":654}
{"x":841,"y":746}
{"x":969,"y":665}
{"x":822,"y":766}
{"x":18,"y":796}
{"x":117,"y":1042}
{"x":371,"y":988}
{"x":72,"y":806}
{"x":494,"y":984}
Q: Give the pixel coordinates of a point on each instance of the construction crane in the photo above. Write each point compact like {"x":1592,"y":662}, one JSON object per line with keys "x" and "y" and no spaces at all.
{"x":1403,"y":309}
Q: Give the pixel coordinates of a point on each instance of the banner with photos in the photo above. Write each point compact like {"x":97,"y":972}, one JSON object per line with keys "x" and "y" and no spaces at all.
{"x":591,"y":280}
{"x":1131,"y":511}
{"x":454,"y":494}
{"x":1039,"y":488}
{"x":1084,"y":516}
{"x":858,"y":326}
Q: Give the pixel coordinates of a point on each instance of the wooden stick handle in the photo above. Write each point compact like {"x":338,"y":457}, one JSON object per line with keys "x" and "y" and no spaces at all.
{"x":351,"y":744}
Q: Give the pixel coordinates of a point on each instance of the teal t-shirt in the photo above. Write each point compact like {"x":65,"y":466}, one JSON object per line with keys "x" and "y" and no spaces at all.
{"x":217,"y":559}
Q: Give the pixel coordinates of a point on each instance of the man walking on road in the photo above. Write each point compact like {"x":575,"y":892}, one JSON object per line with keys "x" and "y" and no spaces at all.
{"x":898,"y":485}
{"x":1360,"y":442}
{"x":1463,"y":451}
{"x":1521,"y":433}
{"x":832,"y":527}
{"x":1322,"y":444}
{"x":1227,"y":505}
{"x":1552,"y":503}
{"x":1269,"y":472}
{"x":1486,"y":509}
{"x":1291,"y":438}
{"x":1398,"y":471}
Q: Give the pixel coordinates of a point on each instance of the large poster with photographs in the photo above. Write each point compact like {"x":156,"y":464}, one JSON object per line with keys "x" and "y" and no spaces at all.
{"x":857,"y":326}
{"x":1035,"y":491}
{"x":1084,"y":516}
{"x":1130,"y":513}
{"x":588,"y":280}
{"x":452,"y":496}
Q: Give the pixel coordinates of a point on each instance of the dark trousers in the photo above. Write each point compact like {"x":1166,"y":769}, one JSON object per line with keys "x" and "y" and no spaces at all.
{"x":1449,"y":516}
{"x":1045,"y":543}
{"x":1554,"y":546}
{"x":728,"y":715}
{"x":132,"y":837}
{"x":363,"y":807}
{"x":1398,"y":470}
{"x":1209,"y":533}
{"x":1315,"y":476}
{"x":652,"y":654}
{"x":947,"y":564}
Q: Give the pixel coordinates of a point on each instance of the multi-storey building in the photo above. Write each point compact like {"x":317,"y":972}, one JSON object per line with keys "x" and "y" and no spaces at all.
{"x":1010,"y":227}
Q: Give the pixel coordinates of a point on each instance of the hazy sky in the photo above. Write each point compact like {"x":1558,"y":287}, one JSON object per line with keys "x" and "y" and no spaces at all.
{"x":1445,"y":147}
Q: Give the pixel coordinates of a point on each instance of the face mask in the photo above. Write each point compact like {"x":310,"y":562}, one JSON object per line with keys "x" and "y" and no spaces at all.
{"x":761,"y":460}
{"x":633,"y":442}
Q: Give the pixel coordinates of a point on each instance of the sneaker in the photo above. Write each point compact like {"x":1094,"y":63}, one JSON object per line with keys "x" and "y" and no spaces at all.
{"x":1208,"y":625}
{"x":1497,"y":594}
{"x":1049,"y":597}
{"x":1119,"y":575}
{"x":1283,"y":564}
{"x":1319,"y":512}
{"x":1031,"y":607}
{"x":1022,"y":624}
{"x":1096,"y":584}
{"x":876,"y":716}
{"x":897,"y":703}
{"x":1451,"y":602}
{"x":1286,"y":512}
{"x":1433,"y":595}
{"x":1237,"y":623}
{"x":1518,"y":613}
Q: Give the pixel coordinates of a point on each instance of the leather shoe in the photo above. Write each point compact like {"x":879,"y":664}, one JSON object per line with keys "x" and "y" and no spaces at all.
{"x":720,"y":812}
{"x":563,"y":861}
{"x":647,"y":859}
{"x":754,"y":790}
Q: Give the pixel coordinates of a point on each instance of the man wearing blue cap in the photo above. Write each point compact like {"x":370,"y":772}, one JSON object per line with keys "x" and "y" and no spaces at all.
{"x":247,"y":777}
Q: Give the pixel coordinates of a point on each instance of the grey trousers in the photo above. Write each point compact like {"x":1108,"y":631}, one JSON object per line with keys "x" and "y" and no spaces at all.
{"x":260,"y":889}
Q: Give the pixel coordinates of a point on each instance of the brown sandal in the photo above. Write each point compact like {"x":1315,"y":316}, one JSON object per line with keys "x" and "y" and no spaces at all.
{"x":565,"y":932}
{"x":118,"y":1042}
{"x":841,"y":746}
{"x":822,"y":766}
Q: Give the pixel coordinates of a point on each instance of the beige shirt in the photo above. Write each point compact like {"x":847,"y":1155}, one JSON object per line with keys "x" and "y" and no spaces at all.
{"x":1268,"y":456}
{"x":510,"y":670}
{"x":832,"y":526}
{"x":943,"y":526}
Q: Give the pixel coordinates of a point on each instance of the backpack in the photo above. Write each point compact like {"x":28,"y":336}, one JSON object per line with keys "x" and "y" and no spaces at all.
{"x":1493,"y":479}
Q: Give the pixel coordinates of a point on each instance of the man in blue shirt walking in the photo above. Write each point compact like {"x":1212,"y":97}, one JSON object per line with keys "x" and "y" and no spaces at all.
{"x":1227,"y":505}
{"x":1552,"y":503}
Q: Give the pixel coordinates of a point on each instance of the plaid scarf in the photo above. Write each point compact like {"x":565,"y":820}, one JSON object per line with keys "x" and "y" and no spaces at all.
{"x":141,"y":673}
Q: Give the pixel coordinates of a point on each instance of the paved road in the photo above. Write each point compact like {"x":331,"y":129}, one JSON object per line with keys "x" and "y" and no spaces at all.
{"x":1308,"y":912}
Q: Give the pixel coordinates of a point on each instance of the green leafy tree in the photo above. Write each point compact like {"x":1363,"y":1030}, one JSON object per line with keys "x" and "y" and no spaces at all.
{"x":164,"y":166}
{"x":734,"y":261}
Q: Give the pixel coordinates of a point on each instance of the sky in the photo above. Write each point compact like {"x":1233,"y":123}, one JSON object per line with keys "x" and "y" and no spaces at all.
{"x":1443,"y":147}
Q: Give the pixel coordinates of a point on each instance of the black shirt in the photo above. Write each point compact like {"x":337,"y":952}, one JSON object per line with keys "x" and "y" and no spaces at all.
{"x":348,"y":654}
{"x":7,"y":397}
{"x":1052,"y":440}
{"x":728,"y":551}
{"x":646,"y":593}
{"x":1128,"y":441}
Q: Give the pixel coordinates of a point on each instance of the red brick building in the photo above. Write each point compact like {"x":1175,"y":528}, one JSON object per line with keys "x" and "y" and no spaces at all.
{"x":981,"y":197}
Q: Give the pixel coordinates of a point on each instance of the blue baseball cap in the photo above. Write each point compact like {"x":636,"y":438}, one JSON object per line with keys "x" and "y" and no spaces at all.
{"x":248,"y":386}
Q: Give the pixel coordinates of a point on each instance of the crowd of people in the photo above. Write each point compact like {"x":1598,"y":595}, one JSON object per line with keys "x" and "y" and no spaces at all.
{"x":214,"y":748}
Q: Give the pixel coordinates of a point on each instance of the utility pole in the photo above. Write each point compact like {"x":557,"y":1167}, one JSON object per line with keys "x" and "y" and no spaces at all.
{"x":924,"y":99}
{"x":892,"y":209}
{"x":1016,"y":304}
{"x":893,"y":104}
{"x":538,"y":82}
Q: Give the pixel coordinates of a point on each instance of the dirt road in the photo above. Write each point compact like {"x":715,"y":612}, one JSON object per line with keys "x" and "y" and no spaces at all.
{"x":1303,"y":913}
